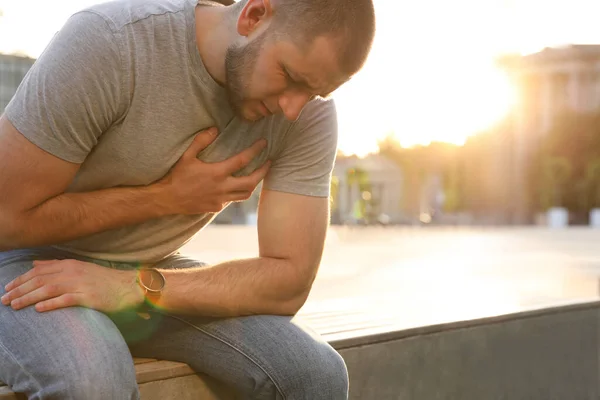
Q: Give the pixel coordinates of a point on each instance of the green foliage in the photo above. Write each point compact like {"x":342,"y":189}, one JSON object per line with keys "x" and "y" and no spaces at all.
{"x":334,"y":192}
{"x":566,"y":168}
{"x":592,"y":183}
{"x":556,"y":172}
{"x":562,"y":168}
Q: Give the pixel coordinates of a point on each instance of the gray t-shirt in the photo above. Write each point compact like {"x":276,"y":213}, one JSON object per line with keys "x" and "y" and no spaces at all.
{"x":122,"y":89}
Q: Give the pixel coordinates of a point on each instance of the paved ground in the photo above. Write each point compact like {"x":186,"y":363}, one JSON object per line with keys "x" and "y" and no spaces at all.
{"x":375,"y":279}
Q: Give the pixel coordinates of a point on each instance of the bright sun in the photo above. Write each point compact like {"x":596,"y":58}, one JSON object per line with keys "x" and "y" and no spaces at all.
{"x":421,"y":86}
{"x":424,"y":110}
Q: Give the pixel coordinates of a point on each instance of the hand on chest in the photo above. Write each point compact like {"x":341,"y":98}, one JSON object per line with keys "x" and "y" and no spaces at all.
{"x":234,"y":141}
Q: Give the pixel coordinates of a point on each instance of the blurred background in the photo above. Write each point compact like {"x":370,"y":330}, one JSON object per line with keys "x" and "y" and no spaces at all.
{"x":467,"y":181}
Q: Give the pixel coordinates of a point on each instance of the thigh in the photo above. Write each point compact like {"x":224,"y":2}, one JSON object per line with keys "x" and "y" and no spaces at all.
{"x":69,"y":353}
{"x":263,"y":357}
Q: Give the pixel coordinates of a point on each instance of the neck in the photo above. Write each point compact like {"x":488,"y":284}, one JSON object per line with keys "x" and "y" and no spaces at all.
{"x":214,"y":27}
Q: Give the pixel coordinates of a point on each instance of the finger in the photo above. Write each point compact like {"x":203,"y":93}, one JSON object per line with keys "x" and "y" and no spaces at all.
{"x":47,"y":269}
{"x":240,"y":160}
{"x":22,"y":290}
{"x":44,"y":262}
{"x":248,"y":183}
{"x":200,"y":142}
{"x":45,"y":292}
{"x":62,"y":301}
{"x":238,"y":196}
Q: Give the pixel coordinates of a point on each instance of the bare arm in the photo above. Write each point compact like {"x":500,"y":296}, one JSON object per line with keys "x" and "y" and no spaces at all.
{"x":291,"y":231}
{"x":34,"y":210}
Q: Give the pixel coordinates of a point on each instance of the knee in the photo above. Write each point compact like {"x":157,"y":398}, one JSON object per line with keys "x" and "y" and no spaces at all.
{"x":96,"y":382}
{"x":320,"y":374}
{"x":90,"y":378}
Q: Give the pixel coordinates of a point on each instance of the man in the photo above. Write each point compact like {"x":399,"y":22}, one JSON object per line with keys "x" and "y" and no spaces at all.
{"x":140,"y":121}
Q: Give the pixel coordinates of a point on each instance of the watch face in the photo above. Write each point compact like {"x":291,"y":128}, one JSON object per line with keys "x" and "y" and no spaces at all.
{"x":152,"y":280}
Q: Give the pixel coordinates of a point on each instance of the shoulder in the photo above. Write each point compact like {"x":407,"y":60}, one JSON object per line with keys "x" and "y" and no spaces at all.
{"x":121,"y":13}
{"x":317,"y":111}
{"x":316,"y":127}
{"x":318,"y":118}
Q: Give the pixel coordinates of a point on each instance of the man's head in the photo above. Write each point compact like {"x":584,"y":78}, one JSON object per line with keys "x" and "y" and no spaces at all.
{"x":289,"y":51}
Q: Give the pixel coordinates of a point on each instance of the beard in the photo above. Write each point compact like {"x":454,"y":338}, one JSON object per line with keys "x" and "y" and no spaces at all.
{"x":239,"y":64}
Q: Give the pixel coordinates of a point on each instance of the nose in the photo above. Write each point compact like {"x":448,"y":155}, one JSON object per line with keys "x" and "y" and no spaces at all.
{"x":292,"y":103}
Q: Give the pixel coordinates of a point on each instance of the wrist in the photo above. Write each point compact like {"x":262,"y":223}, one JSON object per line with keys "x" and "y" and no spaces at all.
{"x":161,"y":198}
{"x":134,"y":295}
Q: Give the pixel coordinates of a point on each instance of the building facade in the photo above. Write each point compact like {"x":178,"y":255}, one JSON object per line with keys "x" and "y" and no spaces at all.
{"x":375,"y":182}
{"x":549,"y":82}
{"x":12,"y":71}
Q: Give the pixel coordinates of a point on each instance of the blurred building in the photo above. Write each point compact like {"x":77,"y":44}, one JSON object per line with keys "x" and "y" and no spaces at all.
{"x":12,"y":71}
{"x":549,"y":82}
{"x":241,"y":213}
{"x":374,"y":181}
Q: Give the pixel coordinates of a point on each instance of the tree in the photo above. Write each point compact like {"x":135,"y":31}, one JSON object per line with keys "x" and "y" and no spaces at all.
{"x":592,"y":183}
{"x":358,"y":185}
{"x":563,"y":170}
{"x":557,"y":171}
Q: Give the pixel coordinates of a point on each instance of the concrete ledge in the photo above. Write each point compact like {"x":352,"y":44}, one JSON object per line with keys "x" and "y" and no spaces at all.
{"x":542,"y":354}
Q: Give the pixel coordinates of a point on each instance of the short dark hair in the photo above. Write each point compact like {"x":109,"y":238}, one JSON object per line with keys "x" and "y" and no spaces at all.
{"x":351,"y":22}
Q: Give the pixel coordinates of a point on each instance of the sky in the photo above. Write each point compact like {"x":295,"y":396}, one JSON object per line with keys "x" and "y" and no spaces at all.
{"x":430,"y":75}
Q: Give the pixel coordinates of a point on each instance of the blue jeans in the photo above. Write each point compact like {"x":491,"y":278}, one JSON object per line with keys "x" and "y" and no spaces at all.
{"x":79,"y":353}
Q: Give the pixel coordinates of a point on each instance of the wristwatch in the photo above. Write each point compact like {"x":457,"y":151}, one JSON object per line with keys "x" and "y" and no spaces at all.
{"x":152,"y":282}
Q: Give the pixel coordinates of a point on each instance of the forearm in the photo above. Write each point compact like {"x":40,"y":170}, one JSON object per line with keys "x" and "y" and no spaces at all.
{"x":235,"y":288}
{"x":74,"y":215}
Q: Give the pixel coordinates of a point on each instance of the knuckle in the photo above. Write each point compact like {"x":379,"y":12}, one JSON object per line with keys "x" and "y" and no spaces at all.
{"x":69,"y":299}
{"x":46,"y":291}
{"x":52,"y":289}
{"x":37,"y":281}
{"x":242,"y":161}
{"x":218,"y":172}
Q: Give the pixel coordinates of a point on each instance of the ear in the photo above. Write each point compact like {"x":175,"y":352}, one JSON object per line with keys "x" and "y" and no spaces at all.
{"x":254,"y":14}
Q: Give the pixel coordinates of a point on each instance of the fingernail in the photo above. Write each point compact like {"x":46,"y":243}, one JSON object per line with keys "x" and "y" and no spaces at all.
{"x":4,"y":298}
{"x":213,"y":131}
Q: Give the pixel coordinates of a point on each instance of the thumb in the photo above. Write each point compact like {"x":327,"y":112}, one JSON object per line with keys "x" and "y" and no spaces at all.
{"x":200,"y":142}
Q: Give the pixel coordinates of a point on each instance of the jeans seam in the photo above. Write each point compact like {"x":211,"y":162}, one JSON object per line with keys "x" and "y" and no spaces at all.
{"x":39,"y":386}
{"x":235,"y":348}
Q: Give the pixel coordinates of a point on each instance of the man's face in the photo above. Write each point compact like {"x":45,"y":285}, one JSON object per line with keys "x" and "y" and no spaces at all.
{"x":266,"y":76}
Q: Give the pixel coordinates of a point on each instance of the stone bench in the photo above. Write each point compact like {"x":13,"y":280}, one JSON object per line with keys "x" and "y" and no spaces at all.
{"x":162,"y":380}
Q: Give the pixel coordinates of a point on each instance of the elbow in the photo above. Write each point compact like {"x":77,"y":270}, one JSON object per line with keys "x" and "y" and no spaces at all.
{"x":292,"y":306}
{"x":298,"y":295}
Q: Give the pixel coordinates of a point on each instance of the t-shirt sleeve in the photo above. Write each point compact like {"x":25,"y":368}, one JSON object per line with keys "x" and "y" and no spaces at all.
{"x":73,"y":92}
{"x":305,"y":162}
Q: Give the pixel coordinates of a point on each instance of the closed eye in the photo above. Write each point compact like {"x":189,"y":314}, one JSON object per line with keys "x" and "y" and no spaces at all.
{"x":301,"y":84}
{"x":289,"y":78}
